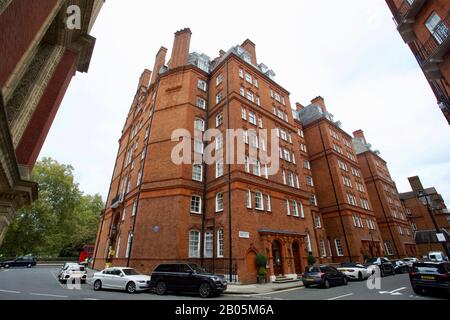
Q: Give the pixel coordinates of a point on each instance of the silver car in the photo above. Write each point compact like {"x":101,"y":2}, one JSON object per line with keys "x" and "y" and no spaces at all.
{"x":119,"y":278}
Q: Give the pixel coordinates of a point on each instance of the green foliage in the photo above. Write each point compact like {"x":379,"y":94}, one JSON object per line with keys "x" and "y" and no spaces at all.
{"x":60,"y":221}
{"x":262,"y":272}
{"x":311,"y":259}
{"x":261,"y":260}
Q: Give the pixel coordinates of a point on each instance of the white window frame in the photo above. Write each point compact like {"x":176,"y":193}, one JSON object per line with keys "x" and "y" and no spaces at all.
{"x":339,"y":247}
{"x":194,"y":252}
{"x":219,"y":202}
{"x":200,"y":200}
{"x":196,"y":165}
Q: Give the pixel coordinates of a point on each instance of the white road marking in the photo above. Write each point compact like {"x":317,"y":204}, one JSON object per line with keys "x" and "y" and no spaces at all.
{"x":9,"y":291}
{"x":91,"y":299}
{"x":394,"y":292}
{"x":340,"y":297}
{"x":48,"y":295}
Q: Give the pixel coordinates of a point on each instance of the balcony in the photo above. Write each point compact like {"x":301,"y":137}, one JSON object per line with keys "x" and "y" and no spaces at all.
{"x":434,"y":49}
{"x":117,"y":201}
{"x":406,"y":17}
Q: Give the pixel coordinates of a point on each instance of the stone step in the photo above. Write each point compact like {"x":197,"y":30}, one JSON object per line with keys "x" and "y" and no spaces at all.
{"x":286,"y":280}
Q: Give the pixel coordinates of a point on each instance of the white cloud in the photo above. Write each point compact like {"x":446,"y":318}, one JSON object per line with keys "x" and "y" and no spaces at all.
{"x":349,"y":52}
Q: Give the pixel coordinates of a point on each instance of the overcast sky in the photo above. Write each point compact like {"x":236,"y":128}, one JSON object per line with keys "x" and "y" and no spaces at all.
{"x":349,"y":52}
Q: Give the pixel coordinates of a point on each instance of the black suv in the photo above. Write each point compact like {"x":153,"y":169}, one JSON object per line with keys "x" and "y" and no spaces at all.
{"x":186,"y":277}
{"x":25,"y":261}
{"x":386,"y":267}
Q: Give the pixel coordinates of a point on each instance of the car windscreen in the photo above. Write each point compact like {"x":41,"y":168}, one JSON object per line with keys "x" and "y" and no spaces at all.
{"x":312,"y":270}
{"x":197,"y":269}
{"x":373,"y":260}
{"x":130,"y":272}
{"x":426,"y":268}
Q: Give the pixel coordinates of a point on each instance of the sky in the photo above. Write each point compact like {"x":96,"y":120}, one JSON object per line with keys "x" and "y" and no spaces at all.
{"x":349,"y":52}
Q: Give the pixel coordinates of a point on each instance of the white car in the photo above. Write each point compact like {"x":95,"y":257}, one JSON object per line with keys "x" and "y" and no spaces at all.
{"x":355,"y":271}
{"x":121,"y":279}
{"x":410,"y":261}
{"x":72,"y":272}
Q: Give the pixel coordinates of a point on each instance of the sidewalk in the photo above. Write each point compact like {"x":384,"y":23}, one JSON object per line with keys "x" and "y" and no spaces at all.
{"x":261,"y":288}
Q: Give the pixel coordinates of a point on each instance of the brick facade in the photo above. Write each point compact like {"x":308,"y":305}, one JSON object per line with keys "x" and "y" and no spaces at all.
{"x":425,"y":26}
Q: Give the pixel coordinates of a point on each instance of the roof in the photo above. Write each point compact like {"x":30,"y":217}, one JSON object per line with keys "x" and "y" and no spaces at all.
{"x":412,"y":194}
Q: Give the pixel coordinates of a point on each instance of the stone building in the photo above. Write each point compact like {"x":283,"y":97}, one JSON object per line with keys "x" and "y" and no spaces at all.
{"x":39,"y":55}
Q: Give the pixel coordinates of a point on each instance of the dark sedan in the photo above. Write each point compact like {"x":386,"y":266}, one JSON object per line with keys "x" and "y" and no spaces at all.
{"x":430,"y":276}
{"x":186,"y":277}
{"x":400,"y":267}
{"x":323,"y":276}
{"x":386,"y":267}
{"x":25,"y":261}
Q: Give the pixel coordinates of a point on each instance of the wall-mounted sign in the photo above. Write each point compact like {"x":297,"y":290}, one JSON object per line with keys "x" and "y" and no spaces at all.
{"x":441,"y":237}
{"x":244,"y":235}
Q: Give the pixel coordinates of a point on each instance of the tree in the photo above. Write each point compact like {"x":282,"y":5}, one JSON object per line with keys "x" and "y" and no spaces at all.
{"x":60,"y":221}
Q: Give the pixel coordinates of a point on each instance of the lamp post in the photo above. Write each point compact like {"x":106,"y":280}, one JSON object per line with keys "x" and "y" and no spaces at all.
{"x":423,"y":194}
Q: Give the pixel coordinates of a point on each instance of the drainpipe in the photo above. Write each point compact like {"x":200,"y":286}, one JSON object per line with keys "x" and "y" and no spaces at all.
{"x":230,"y":233}
{"x":142,"y":173}
{"x":335,"y":195}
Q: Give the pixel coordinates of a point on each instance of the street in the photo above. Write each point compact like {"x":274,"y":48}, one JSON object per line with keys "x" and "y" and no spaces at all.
{"x":40,"y":283}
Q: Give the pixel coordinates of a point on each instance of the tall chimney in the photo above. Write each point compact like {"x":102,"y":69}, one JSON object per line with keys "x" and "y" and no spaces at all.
{"x":180,"y":50}
{"x":250,"y":47}
{"x":416,"y":184}
{"x":360,"y":134}
{"x":299,"y":106}
{"x":321,"y":102}
{"x":160,"y":61}
{"x":144,"y":80}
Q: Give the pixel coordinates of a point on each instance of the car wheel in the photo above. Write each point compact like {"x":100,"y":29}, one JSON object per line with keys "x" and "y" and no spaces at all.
{"x":161,"y":288}
{"x":393,"y":272}
{"x":131,"y":287}
{"x":326,"y":284}
{"x":360,"y":276}
{"x":29,"y":266}
{"x":97,"y":285}
{"x":205,"y":290}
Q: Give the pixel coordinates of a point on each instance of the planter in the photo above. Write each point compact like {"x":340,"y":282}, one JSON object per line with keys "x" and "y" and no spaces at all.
{"x":262,"y":280}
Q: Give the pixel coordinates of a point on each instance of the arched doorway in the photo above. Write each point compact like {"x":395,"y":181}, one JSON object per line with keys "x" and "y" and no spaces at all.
{"x":296,"y":254}
{"x":277,"y":258}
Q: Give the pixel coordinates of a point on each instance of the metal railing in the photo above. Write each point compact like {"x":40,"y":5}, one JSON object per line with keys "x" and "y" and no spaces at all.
{"x":440,"y":34}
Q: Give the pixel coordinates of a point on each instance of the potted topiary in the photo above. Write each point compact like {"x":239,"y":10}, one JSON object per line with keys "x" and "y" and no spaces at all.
{"x":261,"y":262}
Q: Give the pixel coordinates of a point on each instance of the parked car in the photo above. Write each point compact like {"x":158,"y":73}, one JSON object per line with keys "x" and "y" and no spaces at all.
{"x":430,"y":276}
{"x":410,"y":262}
{"x":24,"y":261}
{"x":437,"y":256}
{"x":400,"y":267}
{"x":385,"y":266}
{"x":355,"y":271}
{"x":72,"y":272}
{"x":187,"y":277}
{"x":126,"y":279}
{"x":324,"y":276}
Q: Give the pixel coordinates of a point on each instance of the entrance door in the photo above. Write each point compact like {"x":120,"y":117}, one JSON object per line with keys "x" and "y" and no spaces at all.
{"x":277,"y":258}
{"x":296,"y":254}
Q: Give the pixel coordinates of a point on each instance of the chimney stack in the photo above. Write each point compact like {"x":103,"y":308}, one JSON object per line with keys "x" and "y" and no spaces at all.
{"x":250,"y":47}
{"x":144,"y":80}
{"x":321,"y":102}
{"x":416,"y":184}
{"x":221,"y":53}
{"x":160,"y":61}
{"x":299,"y":106}
{"x":180,"y":50}
{"x":360,"y":135}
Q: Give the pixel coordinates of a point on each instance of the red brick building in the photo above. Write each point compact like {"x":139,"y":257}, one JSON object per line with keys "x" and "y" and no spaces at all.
{"x":395,"y":227}
{"x":349,"y":219}
{"x":425,"y":27}
{"x":39,"y":55}
{"x":418,"y":204}
{"x":219,"y":214}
